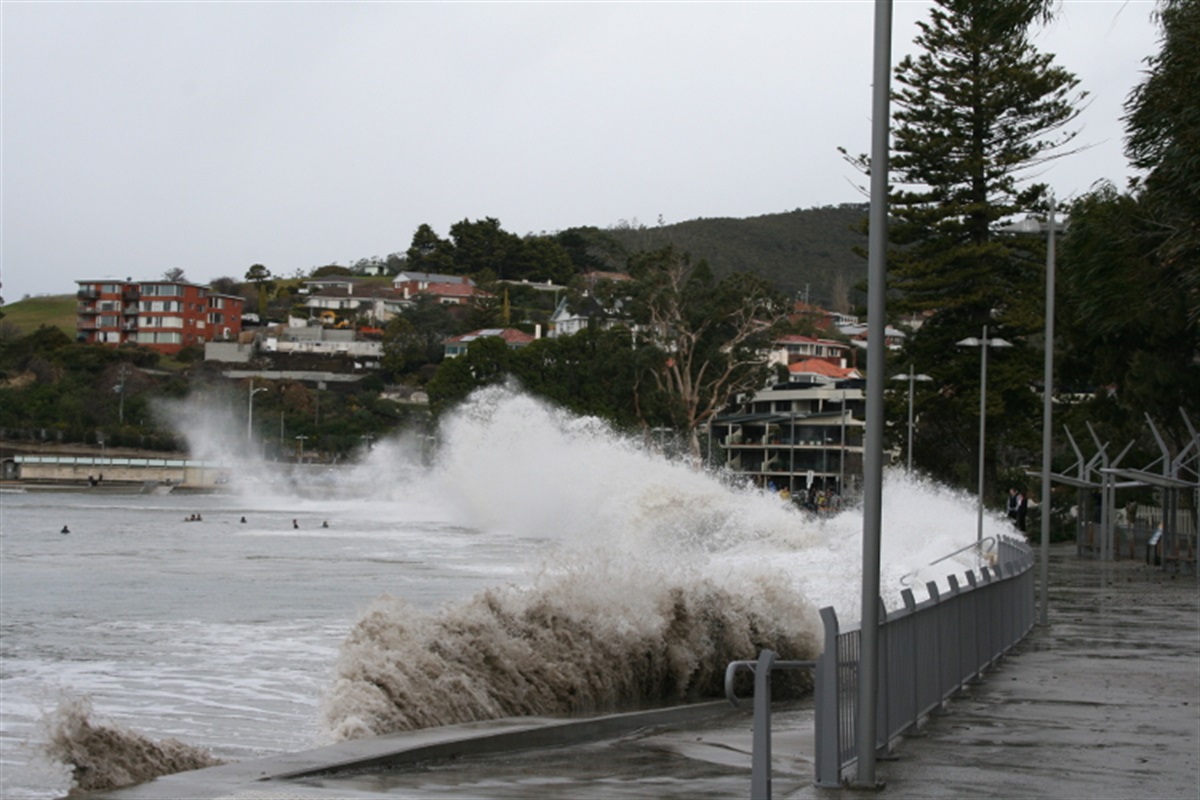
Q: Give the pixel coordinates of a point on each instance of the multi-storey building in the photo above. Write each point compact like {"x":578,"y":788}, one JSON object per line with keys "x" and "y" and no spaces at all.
{"x":162,"y":315}
{"x":803,"y":434}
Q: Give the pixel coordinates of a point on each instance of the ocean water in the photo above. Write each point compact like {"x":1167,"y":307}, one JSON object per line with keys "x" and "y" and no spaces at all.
{"x":529,"y":562}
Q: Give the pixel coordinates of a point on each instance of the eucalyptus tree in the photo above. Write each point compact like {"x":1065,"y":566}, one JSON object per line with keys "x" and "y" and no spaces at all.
{"x":706,"y":340}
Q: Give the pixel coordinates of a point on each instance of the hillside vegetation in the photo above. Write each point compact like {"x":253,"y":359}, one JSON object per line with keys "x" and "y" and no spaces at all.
{"x":813,"y":249}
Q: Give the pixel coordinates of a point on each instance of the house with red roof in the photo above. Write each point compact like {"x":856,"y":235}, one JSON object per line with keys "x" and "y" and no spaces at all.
{"x":452,"y":294}
{"x":819,"y":367}
{"x":457,"y":345}
{"x":409,"y":284}
{"x":795,"y":347}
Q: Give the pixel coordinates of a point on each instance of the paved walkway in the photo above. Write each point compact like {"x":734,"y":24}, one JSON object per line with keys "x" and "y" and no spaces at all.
{"x":1104,"y":703}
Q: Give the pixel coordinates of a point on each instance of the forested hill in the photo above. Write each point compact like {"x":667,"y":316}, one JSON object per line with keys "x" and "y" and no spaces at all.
{"x":813,"y":247}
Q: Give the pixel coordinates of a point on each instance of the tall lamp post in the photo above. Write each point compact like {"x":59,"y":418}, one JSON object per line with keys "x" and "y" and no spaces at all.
{"x":1050,"y":227}
{"x":983,"y":343}
{"x":911,"y":378}
{"x":250,"y":411}
{"x":868,"y":676}
{"x":1047,"y":413}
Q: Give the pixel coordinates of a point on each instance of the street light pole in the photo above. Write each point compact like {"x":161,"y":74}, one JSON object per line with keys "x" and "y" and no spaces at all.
{"x":983,"y":343}
{"x":865,"y":725}
{"x":250,"y":411}
{"x":1047,"y":414}
{"x":911,"y":378}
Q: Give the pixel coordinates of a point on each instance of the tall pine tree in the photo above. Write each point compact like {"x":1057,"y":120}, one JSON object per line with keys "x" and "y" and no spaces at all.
{"x":976,"y":114}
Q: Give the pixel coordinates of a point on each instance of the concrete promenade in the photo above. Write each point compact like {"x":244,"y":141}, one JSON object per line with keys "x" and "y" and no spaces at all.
{"x":1104,"y":703}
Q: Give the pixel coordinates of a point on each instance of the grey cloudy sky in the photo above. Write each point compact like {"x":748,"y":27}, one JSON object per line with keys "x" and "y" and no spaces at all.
{"x":139,"y":137}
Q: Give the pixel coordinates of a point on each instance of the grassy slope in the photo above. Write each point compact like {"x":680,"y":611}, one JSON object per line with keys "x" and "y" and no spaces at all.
{"x":54,"y":310}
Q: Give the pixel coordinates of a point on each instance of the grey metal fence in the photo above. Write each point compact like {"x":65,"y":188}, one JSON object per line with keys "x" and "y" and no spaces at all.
{"x":928,"y":651}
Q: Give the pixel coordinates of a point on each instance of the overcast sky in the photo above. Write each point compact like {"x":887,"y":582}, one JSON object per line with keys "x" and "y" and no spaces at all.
{"x":138,"y":137}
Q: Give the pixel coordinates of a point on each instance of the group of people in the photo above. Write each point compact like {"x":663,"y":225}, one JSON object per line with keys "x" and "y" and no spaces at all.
{"x":1018,"y":507}
{"x":818,"y":501}
{"x":198,"y":518}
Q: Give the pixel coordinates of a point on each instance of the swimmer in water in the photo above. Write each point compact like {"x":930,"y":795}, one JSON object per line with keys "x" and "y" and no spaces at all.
{"x":65,"y":529}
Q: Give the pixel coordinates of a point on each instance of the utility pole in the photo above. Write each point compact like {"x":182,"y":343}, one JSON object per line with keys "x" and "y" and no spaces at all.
{"x":121,"y":401}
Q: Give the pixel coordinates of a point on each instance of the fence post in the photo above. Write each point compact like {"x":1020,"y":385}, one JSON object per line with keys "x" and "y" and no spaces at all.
{"x":760,"y":773}
{"x":887,"y":679}
{"x":910,"y":605}
{"x":827,"y":719}
{"x":939,"y":663}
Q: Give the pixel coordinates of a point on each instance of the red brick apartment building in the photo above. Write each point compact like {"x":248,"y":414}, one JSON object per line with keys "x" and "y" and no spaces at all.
{"x":162,"y":315}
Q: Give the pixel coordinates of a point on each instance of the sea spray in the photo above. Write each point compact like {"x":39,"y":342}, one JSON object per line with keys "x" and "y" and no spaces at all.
{"x":602,"y":639}
{"x":104,"y":755}
{"x":654,"y":576}
{"x":510,"y":462}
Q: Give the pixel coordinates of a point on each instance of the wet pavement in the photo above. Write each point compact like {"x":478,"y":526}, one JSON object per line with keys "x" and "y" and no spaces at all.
{"x":1103,"y":703}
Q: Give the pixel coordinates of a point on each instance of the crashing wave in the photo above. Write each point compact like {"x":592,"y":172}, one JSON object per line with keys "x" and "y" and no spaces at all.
{"x":108,"y":756}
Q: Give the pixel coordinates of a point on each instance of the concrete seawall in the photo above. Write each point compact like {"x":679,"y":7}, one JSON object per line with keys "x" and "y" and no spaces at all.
{"x":100,"y":471}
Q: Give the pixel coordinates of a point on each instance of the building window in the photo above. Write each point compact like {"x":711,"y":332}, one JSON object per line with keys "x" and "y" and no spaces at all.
{"x":162,"y":289}
{"x":159,"y":338}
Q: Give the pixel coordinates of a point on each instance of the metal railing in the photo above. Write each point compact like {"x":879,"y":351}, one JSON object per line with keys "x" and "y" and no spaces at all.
{"x":760,"y":767}
{"x":928,"y":651}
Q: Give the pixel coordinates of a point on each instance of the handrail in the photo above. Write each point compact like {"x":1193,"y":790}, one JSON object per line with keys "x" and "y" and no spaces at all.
{"x":928,"y":652}
{"x":760,"y":775}
{"x":734,"y":666}
{"x":904,"y":579}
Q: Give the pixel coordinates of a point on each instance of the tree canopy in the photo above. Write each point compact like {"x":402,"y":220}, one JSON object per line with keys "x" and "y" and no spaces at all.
{"x":1131,"y":265}
{"x":709,"y":339}
{"x":977,"y":110}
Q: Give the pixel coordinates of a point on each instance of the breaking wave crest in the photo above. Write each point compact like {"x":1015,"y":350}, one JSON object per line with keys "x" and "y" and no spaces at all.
{"x":576,"y":642}
{"x":107,"y":756}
